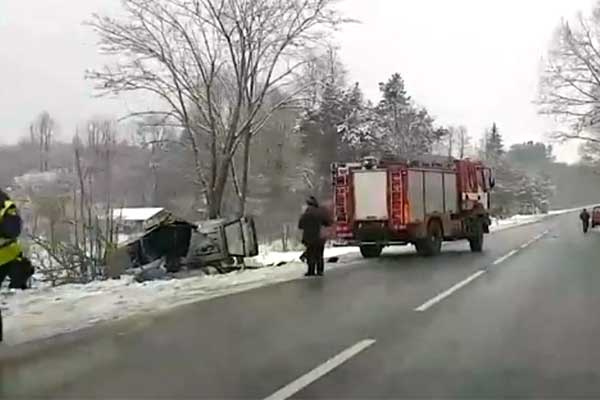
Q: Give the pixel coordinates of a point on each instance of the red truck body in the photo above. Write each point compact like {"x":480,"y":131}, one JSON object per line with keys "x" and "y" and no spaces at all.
{"x":421,"y":202}
{"x":595,"y":217}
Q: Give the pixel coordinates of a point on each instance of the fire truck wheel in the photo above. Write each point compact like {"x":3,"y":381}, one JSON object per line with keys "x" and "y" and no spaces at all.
{"x":371,"y":251}
{"x":476,"y":243}
{"x":432,"y":244}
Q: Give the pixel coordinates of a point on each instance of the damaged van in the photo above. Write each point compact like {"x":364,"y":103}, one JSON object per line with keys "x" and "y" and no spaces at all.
{"x":185,"y":244}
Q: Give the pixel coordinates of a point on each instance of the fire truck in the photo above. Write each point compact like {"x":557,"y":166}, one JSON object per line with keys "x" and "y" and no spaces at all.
{"x":401,"y":201}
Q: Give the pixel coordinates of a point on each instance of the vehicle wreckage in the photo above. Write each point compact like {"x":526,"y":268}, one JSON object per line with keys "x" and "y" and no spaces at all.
{"x":183,"y":244}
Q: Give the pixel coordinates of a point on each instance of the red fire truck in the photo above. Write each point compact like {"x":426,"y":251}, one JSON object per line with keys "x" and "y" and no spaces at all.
{"x":425,"y":201}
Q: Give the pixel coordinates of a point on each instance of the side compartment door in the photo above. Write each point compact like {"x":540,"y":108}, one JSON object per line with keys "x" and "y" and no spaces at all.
{"x":416,"y":196}
{"x":240,"y":237}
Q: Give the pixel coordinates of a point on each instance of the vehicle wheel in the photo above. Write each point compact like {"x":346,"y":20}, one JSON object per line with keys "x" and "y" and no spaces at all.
{"x":476,"y":242}
{"x":371,"y":251}
{"x":432,"y":244}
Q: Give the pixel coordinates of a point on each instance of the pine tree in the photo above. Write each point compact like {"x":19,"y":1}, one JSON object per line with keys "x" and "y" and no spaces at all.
{"x":494,"y":144}
{"x":360,"y":133}
{"x":401,"y":127}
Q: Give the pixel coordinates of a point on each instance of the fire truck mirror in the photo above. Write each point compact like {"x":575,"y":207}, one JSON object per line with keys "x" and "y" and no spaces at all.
{"x":491,"y":179}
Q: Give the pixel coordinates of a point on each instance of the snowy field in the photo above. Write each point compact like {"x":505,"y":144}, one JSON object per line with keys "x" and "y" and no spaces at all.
{"x":46,"y":312}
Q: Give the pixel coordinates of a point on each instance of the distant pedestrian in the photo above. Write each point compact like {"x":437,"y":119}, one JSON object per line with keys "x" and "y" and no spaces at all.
{"x":312,"y":223}
{"x":584,"y":216}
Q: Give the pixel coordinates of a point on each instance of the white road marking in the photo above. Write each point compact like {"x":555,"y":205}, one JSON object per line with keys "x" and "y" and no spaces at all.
{"x":289,"y":390}
{"x":430,"y":303}
{"x":529,"y":242}
{"x":505,"y":257}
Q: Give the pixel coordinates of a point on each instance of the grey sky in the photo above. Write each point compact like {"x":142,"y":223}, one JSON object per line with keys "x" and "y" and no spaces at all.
{"x":470,"y":62}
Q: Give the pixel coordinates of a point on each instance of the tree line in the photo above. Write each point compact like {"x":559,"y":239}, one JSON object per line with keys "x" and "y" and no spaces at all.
{"x":252,"y":106}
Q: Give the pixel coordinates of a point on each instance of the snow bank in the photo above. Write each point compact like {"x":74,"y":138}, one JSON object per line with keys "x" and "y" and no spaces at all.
{"x":515,"y":220}
{"x":518,"y":220}
{"x":46,"y":312}
{"x":270,"y":258}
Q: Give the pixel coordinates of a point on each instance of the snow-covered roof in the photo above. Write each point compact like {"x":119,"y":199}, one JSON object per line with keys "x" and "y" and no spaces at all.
{"x":136,"y":213}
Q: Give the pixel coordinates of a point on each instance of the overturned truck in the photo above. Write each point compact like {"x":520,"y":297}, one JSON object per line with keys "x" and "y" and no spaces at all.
{"x":400,"y":201}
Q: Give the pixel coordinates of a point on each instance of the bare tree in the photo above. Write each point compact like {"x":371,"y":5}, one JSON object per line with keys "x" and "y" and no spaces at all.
{"x":213,"y":63}
{"x":463,"y":139}
{"x":41,"y":132}
{"x":570,"y":80}
{"x":156,"y":137}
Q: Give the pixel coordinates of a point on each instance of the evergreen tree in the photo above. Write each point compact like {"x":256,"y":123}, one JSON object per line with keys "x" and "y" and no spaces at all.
{"x":401,"y":127}
{"x":356,"y":134}
{"x":494,"y":144}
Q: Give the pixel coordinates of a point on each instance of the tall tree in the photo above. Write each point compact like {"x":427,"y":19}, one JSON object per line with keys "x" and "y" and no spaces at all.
{"x":358,"y":132}
{"x":403,"y":128}
{"x":213,"y":63}
{"x":156,"y":137}
{"x":494,"y":144}
{"x":324,"y":112}
{"x":570,"y":80}
{"x":463,"y":141}
{"x":41,"y":132}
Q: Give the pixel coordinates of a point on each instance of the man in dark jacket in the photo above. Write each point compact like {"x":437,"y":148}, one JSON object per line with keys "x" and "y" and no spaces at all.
{"x":312,"y":222}
{"x":585,"y":220}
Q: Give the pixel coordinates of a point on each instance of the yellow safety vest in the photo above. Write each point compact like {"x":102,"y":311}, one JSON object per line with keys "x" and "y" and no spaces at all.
{"x":10,"y":249}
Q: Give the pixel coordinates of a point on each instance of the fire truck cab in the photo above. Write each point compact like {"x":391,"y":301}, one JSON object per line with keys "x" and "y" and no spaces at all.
{"x":400,"y":201}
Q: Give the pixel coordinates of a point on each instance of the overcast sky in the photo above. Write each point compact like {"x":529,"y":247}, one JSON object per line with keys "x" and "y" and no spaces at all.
{"x":469,"y":62}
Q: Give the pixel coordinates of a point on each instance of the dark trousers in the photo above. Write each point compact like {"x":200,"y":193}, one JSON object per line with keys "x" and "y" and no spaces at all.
{"x":19,"y":272}
{"x":314,"y":257}
{"x":586,"y":226}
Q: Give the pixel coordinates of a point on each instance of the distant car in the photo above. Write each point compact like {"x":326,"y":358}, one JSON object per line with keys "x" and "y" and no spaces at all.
{"x":595,"y":217}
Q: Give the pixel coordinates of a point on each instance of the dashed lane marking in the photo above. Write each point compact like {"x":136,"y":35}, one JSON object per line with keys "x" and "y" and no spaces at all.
{"x":505,"y":257}
{"x":430,"y":303}
{"x":433,"y":301}
{"x":289,"y":390}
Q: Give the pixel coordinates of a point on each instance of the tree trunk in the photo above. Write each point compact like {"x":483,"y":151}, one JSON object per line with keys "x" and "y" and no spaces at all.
{"x":82,"y":195}
{"x":215,"y":194}
{"x":246,"y":167}
{"x":53,"y":233}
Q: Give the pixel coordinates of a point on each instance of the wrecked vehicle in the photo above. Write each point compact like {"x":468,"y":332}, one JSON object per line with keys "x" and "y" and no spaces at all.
{"x":185,"y":244}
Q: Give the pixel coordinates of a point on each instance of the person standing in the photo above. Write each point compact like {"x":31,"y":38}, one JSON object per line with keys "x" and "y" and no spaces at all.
{"x":312,"y":223}
{"x":10,"y":249}
{"x":585,"y":220}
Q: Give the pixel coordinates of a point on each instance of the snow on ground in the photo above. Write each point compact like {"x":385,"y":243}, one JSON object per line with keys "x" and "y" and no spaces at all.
{"x":516,"y":220}
{"x":46,"y":312}
{"x":41,"y":313}
{"x":276,"y":257}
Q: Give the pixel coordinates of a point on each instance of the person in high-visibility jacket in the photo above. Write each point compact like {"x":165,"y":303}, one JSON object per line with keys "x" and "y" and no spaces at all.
{"x":10,"y":229}
{"x":12,"y":262}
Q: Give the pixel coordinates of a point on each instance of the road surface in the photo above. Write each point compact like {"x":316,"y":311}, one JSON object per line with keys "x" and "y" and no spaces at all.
{"x":519,"y":320}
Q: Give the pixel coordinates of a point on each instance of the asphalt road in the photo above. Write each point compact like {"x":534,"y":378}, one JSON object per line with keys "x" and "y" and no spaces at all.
{"x":519,"y":320}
